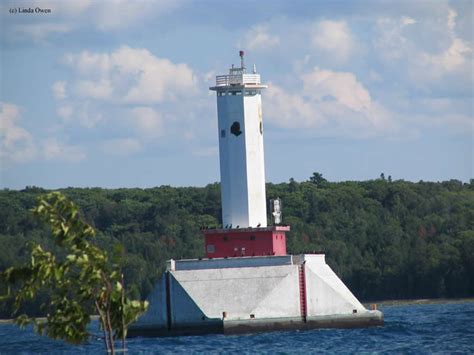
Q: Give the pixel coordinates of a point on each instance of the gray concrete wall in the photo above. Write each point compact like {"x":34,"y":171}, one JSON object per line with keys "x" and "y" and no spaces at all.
{"x":326,"y":293}
{"x":264,"y":292}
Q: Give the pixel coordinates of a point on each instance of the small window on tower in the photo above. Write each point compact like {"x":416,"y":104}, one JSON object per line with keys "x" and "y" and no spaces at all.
{"x":235,"y":129}
{"x":211,"y":248}
{"x":222,"y":133}
{"x":234,"y":92}
{"x":252,"y":237}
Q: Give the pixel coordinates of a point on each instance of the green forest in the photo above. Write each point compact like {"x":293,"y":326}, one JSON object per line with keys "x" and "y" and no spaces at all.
{"x":386,"y":239}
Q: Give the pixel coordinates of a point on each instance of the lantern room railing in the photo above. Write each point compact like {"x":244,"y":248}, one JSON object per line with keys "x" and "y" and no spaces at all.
{"x":240,"y":79}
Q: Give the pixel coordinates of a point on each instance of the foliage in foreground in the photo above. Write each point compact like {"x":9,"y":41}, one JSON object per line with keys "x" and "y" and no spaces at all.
{"x":78,"y":279}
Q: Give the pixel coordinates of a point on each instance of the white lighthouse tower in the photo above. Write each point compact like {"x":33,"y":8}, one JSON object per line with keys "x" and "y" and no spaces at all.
{"x":239,"y":111}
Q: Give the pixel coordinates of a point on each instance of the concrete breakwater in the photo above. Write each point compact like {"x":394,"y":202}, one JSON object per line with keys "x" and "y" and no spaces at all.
{"x":251,"y":294}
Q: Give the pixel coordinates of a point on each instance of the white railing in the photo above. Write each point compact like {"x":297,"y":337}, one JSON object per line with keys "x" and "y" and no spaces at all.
{"x":226,"y":80}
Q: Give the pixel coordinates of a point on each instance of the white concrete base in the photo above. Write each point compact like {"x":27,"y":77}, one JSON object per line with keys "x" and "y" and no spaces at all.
{"x":251,"y":294}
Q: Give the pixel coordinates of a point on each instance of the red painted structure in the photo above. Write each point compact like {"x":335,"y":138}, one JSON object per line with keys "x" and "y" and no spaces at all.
{"x":222,"y":243}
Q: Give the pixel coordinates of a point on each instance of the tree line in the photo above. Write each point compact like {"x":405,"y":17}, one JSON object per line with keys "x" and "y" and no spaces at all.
{"x":386,"y":239}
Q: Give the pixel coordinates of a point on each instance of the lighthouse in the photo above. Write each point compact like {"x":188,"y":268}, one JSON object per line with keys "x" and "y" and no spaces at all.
{"x":240,"y":129}
{"x":244,"y":229}
{"x":247,"y":282}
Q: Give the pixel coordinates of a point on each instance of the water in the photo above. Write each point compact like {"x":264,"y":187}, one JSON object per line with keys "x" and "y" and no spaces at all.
{"x":412,"y":329}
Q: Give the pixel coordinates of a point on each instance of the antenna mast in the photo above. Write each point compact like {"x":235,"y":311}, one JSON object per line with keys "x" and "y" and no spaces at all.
{"x":242,"y":53}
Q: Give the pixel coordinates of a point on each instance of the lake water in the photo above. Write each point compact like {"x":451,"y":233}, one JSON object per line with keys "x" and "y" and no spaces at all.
{"x":413,"y":329}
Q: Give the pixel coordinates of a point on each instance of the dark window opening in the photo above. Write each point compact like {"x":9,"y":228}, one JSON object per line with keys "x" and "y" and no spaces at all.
{"x":252,"y":237}
{"x":235,"y":129}
{"x":222,"y":133}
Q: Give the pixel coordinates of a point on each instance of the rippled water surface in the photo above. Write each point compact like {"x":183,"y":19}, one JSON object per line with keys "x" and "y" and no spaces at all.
{"x":415,"y":329}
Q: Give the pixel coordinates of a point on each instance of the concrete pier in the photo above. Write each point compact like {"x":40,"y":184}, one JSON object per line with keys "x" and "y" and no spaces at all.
{"x":251,"y":294}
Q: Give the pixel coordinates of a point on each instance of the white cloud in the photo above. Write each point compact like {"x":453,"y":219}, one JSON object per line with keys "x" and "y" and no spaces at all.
{"x":343,"y":86}
{"x":87,"y":117}
{"x":406,"y":21}
{"x":89,"y":64}
{"x":450,"y":55}
{"x":451,"y":21}
{"x":133,"y":76}
{"x":451,"y":59}
{"x":17,"y":144}
{"x":146,"y":121}
{"x":290,"y":110}
{"x":331,"y":102}
{"x":334,"y":37}
{"x":390,"y":42}
{"x":59,"y":90}
{"x":122,"y":146}
{"x":259,"y":38}
{"x":53,"y":149}
{"x":101,"y":89}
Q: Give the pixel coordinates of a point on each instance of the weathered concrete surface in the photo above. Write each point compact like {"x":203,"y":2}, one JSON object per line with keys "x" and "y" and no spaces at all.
{"x":270,"y":291}
{"x":326,"y":293}
{"x":232,"y":298}
{"x":360,"y":320}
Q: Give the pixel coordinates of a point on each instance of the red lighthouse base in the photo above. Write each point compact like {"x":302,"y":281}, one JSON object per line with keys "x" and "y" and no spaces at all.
{"x":223,"y":243}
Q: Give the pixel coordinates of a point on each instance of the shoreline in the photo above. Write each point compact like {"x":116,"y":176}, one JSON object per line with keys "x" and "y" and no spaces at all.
{"x":407,"y":302}
{"x":384,"y":303}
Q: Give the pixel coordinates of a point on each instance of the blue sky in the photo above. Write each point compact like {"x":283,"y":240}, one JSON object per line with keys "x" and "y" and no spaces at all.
{"x":115,"y":93}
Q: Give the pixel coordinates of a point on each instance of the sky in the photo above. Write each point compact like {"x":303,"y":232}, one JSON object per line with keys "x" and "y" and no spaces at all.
{"x":116,"y":93}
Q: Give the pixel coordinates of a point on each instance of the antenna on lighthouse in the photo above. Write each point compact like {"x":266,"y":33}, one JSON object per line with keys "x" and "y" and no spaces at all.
{"x":241,"y":53}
